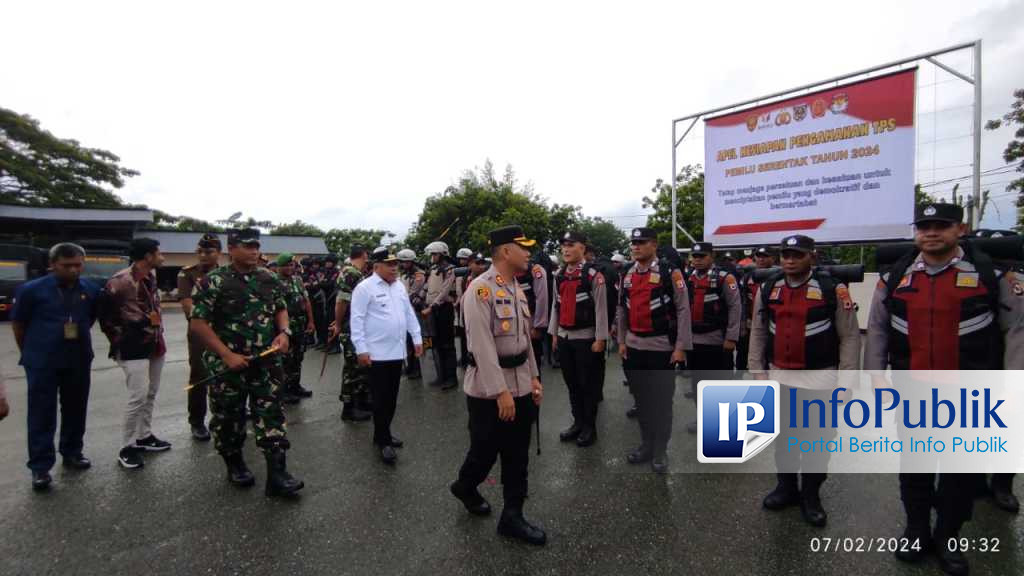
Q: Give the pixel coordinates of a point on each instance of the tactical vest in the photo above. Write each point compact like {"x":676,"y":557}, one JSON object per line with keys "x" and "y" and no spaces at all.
{"x":435,"y":280}
{"x":707,"y":301}
{"x":944,"y":322}
{"x":801,"y":323}
{"x":649,"y":300}
{"x":574,"y":301}
{"x":525,"y":281}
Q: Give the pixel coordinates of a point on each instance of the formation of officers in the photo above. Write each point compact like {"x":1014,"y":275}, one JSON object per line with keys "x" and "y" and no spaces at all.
{"x":250,"y":324}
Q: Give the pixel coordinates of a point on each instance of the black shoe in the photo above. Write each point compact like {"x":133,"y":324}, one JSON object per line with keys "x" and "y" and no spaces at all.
{"x":475,"y":503}
{"x":279,"y":481}
{"x":812,"y":511}
{"x":77,"y":462}
{"x":633,"y":412}
{"x":449,"y":384}
{"x":200,"y":432}
{"x":640,"y":455}
{"x":692,"y":427}
{"x":333,"y":351}
{"x":238,"y":473}
{"x":41,"y":481}
{"x":660,"y":463}
{"x":388,"y":455}
{"x":570,"y":433}
{"x":1005,"y":500}
{"x":288,"y":398}
{"x":298,"y":390}
{"x":784,"y":496}
{"x":953,"y":561}
{"x":436,"y":383}
{"x":414,"y":375}
{"x":586,"y":438}
{"x":130,"y":457}
{"x":152,"y":444}
{"x":513,"y":525}
{"x":350,"y":413}
{"x":396,"y":443}
{"x":918,"y":545}
{"x":689,"y":395}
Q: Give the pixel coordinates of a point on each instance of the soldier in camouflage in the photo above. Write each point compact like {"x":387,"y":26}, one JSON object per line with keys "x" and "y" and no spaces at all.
{"x":240,"y":313}
{"x":354,"y":378}
{"x":300,"y":319}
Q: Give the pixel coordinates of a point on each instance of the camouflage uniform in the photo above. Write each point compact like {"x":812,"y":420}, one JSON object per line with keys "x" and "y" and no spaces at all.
{"x":354,"y":378}
{"x":295,"y":297}
{"x":240,"y":309}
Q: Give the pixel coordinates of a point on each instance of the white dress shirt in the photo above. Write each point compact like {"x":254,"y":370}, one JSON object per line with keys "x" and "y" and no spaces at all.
{"x":381,"y":317}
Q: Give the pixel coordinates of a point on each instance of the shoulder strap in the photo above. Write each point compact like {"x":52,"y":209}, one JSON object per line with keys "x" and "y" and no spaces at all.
{"x":766,"y":290}
{"x":986,"y":272}
{"x":828,"y":289}
{"x":897,"y":271}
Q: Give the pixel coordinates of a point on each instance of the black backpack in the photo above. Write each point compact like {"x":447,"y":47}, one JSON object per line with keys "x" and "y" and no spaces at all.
{"x":981,"y":261}
{"x":825,"y":281}
{"x":611,"y":284}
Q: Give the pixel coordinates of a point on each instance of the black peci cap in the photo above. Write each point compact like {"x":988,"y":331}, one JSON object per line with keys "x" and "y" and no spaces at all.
{"x":574,"y":236}
{"x":797,"y":242}
{"x":642,"y":234}
{"x":243,"y":236}
{"x":209,"y":240}
{"x":702,"y":248}
{"x":509,"y":235}
{"x":763,"y":251}
{"x":938,"y":212}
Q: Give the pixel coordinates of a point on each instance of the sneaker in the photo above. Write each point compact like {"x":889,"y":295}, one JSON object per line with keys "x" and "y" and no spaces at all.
{"x":131,"y":458}
{"x":152,"y":444}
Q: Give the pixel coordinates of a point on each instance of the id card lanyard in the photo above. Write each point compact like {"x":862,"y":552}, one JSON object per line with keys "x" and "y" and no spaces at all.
{"x":70,"y":326}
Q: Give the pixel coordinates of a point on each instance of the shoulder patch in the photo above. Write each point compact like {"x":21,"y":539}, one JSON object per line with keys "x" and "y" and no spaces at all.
{"x":483,"y":293}
{"x":730,"y":281}
{"x":599,"y":280}
{"x":538,"y":272}
{"x":677,"y":279}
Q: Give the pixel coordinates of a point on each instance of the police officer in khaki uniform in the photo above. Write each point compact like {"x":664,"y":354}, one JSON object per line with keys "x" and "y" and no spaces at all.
{"x":439,"y":313}
{"x":980,"y":311}
{"x":412,"y":277}
{"x":501,"y":385}
{"x":804,"y":329}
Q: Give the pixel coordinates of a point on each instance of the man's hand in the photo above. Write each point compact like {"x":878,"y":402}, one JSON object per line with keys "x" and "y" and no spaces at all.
{"x":311,"y":328}
{"x":729,"y":345}
{"x":535,"y":333}
{"x":678,"y":356}
{"x":506,"y":407}
{"x":281,"y":342}
{"x":5,"y":408}
{"x":597,"y":347}
{"x":425,"y":312}
{"x":364,"y":360}
{"x":235,"y":362}
{"x":538,"y":391}
{"x":622,"y":351}
{"x":418,"y":350}
{"x":332,"y":329}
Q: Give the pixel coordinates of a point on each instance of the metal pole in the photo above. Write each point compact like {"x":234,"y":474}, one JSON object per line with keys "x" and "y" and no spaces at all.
{"x":672,"y":183}
{"x":977,"y":134}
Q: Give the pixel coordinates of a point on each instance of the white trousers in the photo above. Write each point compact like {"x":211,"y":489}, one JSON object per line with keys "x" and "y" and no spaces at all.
{"x":142,"y":378}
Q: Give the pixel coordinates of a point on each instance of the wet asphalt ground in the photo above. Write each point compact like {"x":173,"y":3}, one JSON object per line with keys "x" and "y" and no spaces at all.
{"x":178,"y":515}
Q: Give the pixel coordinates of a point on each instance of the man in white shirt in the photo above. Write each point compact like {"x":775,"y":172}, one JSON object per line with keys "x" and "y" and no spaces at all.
{"x":381,"y":316}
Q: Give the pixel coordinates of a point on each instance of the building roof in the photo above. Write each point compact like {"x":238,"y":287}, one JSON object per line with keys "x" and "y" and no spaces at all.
{"x":75,"y":214}
{"x":185,"y":242}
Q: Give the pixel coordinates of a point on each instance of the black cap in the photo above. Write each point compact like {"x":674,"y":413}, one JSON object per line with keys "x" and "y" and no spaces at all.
{"x":209,"y":240}
{"x":478,"y":257}
{"x":509,"y":235}
{"x":331,"y":258}
{"x":797,"y":242}
{"x":763,"y":251}
{"x":642,"y":233}
{"x":702,"y":248}
{"x":938,"y":212}
{"x":383,"y":255}
{"x":574,"y":236}
{"x":243,"y":236}
{"x":728,"y":256}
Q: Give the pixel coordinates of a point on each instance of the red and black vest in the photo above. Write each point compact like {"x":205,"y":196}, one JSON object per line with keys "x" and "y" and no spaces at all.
{"x":574,"y":298}
{"x":946,"y":321}
{"x":708,"y":309}
{"x":648,"y":298}
{"x":525,"y":281}
{"x":801,"y":323}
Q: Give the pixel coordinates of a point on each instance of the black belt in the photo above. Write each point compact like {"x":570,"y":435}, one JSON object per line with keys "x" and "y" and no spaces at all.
{"x":514,"y":361}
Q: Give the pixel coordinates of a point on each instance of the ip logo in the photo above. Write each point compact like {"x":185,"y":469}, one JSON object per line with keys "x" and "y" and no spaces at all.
{"x":735,"y":419}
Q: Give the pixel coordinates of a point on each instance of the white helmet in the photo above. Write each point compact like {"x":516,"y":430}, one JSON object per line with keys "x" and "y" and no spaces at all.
{"x":464,"y":253}
{"x":618,"y":258}
{"x":406,"y":255}
{"x":554,"y":259}
{"x":436,"y":247}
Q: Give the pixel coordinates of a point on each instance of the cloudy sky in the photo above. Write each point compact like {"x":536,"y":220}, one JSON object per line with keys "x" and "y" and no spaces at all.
{"x":351,"y":114}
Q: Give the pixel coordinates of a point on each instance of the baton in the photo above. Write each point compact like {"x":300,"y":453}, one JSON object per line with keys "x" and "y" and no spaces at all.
{"x":323,"y":365}
{"x":537,"y":419}
{"x":268,"y":352}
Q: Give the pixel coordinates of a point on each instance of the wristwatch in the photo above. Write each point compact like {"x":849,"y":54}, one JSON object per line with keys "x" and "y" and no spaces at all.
{"x":287,"y":331}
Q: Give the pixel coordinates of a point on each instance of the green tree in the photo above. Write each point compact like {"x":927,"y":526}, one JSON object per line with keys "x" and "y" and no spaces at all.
{"x":1014,"y":151}
{"x":164,"y":221}
{"x":297,"y":228}
{"x":689,"y":206}
{"x":605,"y":236}
{"x":39,"y":169}
{"x":341,"y":240}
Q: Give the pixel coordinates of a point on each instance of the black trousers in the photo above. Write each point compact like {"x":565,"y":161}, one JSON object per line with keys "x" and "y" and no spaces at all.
{"x":68,"y":386}
{"x":328,"y":318}
{"x":196,"y":394}
{"x":317,"y":303}
{"x":538,"y":350}
{"x":490,"y":437}
{"x":952,"y":498}
{"x":812,"y":467}
{"x":443,"y":320}
{"x":579,"y":370}
{"x":385,"y":378}
{"x":653,"y":381}
{"x":460,"y":333}
{"x":412,"y":362}
{"x":742,"y":352}
{"x":707,"y":362}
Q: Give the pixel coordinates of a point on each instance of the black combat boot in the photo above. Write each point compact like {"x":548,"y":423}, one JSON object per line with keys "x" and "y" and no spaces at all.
{"x":279,"y":481}
{"x":918,"y":533}
{"x":810,"y":500}
{"x":952,"y":561}
{"x":570,"y":433}
{"x":786,"y":493}
{"x":350,"y":413}
{"x":238,"y":473}
{"x":470,"y":497}
{"x":298,"y":390}
{"x":513,"y":525}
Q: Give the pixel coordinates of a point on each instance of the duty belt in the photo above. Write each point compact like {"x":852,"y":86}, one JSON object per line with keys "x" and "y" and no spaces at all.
{"x":514,"y":361}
